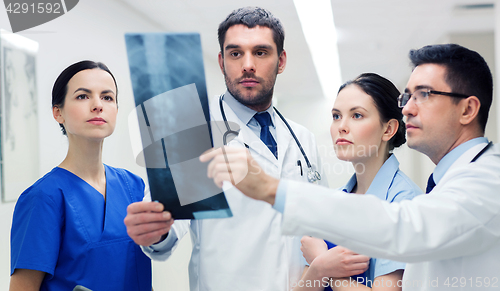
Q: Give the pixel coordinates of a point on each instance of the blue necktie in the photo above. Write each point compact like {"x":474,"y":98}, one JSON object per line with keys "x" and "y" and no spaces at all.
{"x":430,"y":184}
{"x":264,"y":119}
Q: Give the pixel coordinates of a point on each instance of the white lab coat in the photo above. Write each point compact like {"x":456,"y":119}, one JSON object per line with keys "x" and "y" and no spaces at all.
{"x":450,"y":238}
{"x":247,"y":251}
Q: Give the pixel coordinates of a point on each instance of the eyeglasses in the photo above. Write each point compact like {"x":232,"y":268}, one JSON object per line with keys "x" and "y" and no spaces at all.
{"x":422,"y":95}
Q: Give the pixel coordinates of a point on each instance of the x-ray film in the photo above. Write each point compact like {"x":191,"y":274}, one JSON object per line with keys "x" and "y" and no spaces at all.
{"x":170,"y":127}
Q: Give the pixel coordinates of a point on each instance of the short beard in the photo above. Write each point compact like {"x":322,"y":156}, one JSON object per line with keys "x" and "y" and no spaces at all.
{"x":260,"y":100}
{"x":263,"y":98}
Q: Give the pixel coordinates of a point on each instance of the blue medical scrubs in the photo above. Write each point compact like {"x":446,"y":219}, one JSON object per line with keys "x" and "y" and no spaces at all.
{"x":392,"y":185}
{"x":64,"y":227}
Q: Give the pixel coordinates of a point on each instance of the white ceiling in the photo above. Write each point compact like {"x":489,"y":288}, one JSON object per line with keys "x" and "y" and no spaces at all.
{"x":376,"y":36}
{"x":373,"y":36}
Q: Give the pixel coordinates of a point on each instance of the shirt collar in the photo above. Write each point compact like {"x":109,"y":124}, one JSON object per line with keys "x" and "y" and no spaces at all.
{"x":350,"y":185}
{"x":381,"y":183}
{"x":244,"y":113}
{"x":446,"y":162}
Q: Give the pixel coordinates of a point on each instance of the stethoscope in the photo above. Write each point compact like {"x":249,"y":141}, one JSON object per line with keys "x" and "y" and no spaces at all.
{"x":312,"y":175}
{"x":482,"y":151}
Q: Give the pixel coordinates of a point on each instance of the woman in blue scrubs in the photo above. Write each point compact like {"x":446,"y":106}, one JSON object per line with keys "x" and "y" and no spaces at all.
{"x":68,"y":228}
{"x":367,"y":125}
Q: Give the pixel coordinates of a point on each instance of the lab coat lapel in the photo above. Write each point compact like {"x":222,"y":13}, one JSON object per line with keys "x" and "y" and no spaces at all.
{"x":463,"y":160}
{"x":255,"y":144}
{"x":245,"y":136}
{"x":219,"y":127}
{"x":284,"y":140}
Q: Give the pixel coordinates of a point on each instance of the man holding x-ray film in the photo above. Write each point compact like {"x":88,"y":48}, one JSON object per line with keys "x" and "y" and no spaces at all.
{"x":246,"y":251}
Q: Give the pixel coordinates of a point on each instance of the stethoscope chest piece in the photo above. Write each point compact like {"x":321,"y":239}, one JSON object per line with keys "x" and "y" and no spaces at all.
{"x":313,"y":176}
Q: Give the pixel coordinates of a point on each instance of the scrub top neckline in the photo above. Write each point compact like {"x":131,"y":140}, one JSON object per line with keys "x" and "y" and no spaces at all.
{"x":105,"y":198}
{"x":381,"y":182}
{"x":105,"y":177}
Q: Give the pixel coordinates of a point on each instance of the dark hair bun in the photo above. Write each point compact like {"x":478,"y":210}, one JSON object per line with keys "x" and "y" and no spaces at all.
{"x":385,"y":96}
{"x":400,"y":137}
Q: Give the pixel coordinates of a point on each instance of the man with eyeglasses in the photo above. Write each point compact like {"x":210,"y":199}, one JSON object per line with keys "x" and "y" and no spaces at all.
{"x":450,"y":238}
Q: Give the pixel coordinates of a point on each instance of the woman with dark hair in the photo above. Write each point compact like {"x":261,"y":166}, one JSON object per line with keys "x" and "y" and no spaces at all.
{"x":367,"y":125}
{"x":68,"y":228}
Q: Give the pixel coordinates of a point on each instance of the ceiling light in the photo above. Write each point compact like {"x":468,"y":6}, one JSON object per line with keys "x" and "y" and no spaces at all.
{"x":316,"y":18}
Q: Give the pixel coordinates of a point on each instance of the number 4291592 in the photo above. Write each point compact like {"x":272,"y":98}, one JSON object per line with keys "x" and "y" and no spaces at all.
{"x":38,"y":8}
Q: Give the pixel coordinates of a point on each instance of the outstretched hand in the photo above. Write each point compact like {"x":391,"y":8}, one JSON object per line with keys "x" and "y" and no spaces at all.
{"x":146,"y":222}
{"x":237,"y":166}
